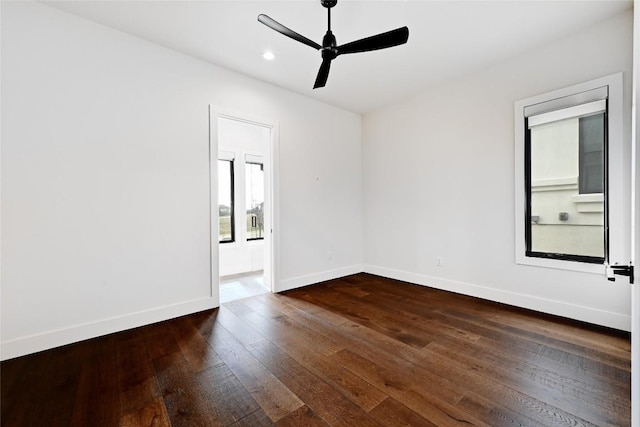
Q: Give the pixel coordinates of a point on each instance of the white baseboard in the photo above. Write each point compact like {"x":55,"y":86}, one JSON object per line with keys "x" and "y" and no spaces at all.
{"x":60,"y":337}
{"x":297,"y":282}
{"x":56,"y":338}
{"x":35,"y":343}
{"x":558,"y":308}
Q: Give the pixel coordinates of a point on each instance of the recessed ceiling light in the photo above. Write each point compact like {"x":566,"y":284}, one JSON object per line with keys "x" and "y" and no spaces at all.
{"x":269,"y":56}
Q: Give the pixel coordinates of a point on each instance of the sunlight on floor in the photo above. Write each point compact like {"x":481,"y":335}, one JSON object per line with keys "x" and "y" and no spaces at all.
{"x":241,"y":286}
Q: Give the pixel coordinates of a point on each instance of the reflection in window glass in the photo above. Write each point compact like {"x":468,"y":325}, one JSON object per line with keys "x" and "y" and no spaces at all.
{"x":225,"y":201}
{"x":566,"y":188}
{"x":254,"y":176}
{"x":591,"y":135}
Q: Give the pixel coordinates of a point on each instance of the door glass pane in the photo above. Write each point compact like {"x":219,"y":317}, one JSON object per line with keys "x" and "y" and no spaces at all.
{"x":255,"y":201}
{"x":225,"y":200}
{"x":567,"y":187}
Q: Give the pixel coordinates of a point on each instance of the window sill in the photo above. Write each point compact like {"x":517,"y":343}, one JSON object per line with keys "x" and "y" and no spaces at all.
{"x":561,"y":264}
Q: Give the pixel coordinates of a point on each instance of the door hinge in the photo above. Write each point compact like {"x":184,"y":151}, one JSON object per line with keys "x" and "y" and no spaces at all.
{"x":621,"y":270}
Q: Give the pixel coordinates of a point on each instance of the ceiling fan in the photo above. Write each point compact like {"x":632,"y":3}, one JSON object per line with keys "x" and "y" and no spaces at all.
{"x":329,"y":48}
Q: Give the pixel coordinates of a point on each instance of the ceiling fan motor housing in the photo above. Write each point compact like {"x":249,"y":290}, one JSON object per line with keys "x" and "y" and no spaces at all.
{"x":329,"y":46}
{"x":328,"y":3}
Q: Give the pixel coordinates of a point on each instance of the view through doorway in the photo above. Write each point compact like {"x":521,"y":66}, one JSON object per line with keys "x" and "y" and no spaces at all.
{"x":244,"y":184}
{"x":242,"y":286}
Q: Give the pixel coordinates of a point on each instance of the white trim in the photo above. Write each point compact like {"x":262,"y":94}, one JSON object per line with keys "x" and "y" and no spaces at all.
{"x":323,"y":276}
{"x":567,"y":113}
{"x":214,"y":233}
{"x":226,"y":155}
{"x":619,"y":229}
{"x":564,"y":100}
{"x":530,"y":302}
{"x":635,"y":221}
{"x":44,"y":341}
{"x":274,"y":174}
{"x":617,"y":251}
{"x":47,"y":340}
{"x":255,"y":159}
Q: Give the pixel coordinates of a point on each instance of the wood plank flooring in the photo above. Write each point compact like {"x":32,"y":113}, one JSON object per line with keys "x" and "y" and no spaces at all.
{"x":357,"y":351}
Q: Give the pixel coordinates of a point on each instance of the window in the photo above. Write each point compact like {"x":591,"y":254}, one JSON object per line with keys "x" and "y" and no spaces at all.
{"x":226,"y":227}
{"x":241,"y":196}
{"x":563,"y":175}
{"x":564,"y":151}
{"x":254,"y":179}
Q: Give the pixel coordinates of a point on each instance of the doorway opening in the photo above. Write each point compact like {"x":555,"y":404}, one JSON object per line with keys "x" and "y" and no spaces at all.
{"x":242,"y":206}
{"x":240,"y":286}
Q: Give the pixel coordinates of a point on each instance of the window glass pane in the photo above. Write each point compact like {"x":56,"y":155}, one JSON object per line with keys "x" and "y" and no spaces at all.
{"x":225,"y":200}
{"x":592,"y":154}
{"x":255,"y":200}
{"x":566,"y":187}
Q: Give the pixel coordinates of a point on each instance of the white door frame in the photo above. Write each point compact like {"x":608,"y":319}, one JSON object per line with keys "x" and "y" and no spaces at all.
{"x":635,"y":221}
{"x":272,"y":236}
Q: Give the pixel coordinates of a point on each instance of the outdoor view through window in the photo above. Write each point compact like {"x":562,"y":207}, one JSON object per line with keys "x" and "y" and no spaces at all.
{"x":225,"y":200}
{"x":566,"y":185}
{"x":255,"y":200}
{"x":254,"y":192}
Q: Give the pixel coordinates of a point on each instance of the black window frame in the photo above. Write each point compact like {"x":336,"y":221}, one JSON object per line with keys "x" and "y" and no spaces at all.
{"x":232,"y":207}
{"x":528,"y":214}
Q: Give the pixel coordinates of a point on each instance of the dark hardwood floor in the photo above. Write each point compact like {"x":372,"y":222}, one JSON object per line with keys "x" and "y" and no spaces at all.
{"x":358,"y":351}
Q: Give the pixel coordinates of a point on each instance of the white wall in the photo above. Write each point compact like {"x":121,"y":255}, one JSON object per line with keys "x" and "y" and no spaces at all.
{"x":105,"y":180}
{"x":439,"y":181}
{"x":105,"y":196}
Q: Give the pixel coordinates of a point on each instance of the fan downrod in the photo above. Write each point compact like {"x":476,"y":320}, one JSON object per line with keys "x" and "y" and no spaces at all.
{"x":328,"y":3}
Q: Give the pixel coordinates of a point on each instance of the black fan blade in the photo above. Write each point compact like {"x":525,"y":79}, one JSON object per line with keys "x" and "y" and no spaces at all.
{"x":323,"y":73}
{"x":275,"y":25}
{"x":381,"y":41}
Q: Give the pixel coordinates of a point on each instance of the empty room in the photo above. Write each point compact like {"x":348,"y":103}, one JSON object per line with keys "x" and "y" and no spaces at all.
{"x":319,"y":213}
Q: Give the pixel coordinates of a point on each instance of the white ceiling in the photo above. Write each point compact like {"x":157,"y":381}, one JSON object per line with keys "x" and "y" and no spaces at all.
{"x":446,"y":38}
